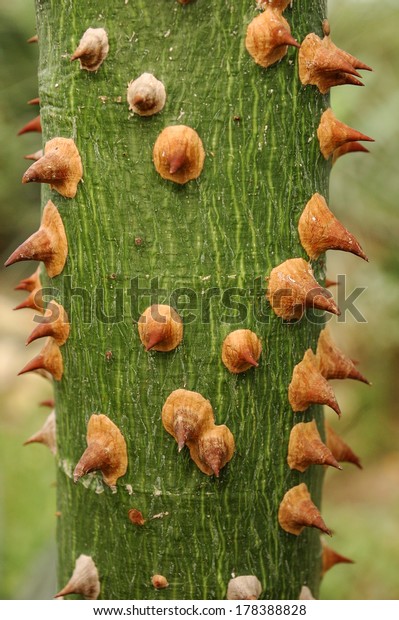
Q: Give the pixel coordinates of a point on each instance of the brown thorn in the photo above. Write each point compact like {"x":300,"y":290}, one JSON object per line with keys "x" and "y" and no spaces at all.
{"x":268,"y":36}
{"x":48,"y":243}
{"x":30,"y":283}
{"x":46,"y":435}
{"x":330,"y":558}
{"x":306,"y":448}
{"x":177,"y":161}
{"x":325,"y":65}
{"x":308,"y":386}
{"x":332,"y":134}
{"x":319,"y":231}
{"x":55,"y":324}
{"x":341,"y":451}
{"x":106,"y":451}
{"x":92,"y":49}
{"x":34,"y":301}
{"x":178,"y":154}
{"x":49,"y":359}
{"x":292,"y":288}
{"x":136,"y":517}
{"x":60,"y":167}
{"x":160,"y":328}
{"x":328,"y":283}
{"x":349,"y":147}
{"x":213,"y":450}
{"x":241,"y":350}
{"x":247,"y":356}
{"x":297,"y":511}
{"x":34,"y":156}
{"x":333,"y":363}
{"x":47,"y":403}
{"x":32,"y":126}
{"x":186,"y":415}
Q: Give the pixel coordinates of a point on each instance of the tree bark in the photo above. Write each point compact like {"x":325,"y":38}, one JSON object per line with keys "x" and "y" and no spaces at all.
{"x":205,"y":248}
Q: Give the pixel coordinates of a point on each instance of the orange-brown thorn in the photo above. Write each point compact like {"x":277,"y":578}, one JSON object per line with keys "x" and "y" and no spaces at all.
{"x":241,"y":350}
{"x":60,"y":166}
{"x":46,"y":435}
{"x":178,"y":154}
{"x":30,"y":283}
{"x":106,"y":451}
{"x":34,"y":301}
{"x":306,"y":448}
{"x":292,"y":288}
{"x":324,"y":65}
{"x":47,"y":403}
{"x":215,"y":447}
{"x":32,"y":126}
{"x":349,"y":147}
{"x":333,"y":134}
{"x":34,"y":156}
{"x":319,"y":231}
{"x":33,"y":39}
{"x":308,"y":386}
{"x":341,"y":451}
{"x":177,"y":161}
{"x":333,"y":363}
{"x":330,"y":558}
{"x":156,"y":336}
{"x":55,"y":324}
{"x":34,"y":101}
{"x":268,"y":36}
{"x":297,"y":511}
{"x":185,"y":415}
{"x":49,"y":359}
{"x":160,"y":328}
{"x":48,"y":244}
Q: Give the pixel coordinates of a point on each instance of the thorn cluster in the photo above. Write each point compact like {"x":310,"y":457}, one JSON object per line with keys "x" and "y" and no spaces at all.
{"x":324,"y":65}
{"x":189,"y":418}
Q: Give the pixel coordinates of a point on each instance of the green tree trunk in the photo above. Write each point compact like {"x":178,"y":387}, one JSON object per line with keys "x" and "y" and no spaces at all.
{"x":136,"y":239}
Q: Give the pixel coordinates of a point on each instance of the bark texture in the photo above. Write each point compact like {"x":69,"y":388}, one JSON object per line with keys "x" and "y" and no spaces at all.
{"x":205,"y":248}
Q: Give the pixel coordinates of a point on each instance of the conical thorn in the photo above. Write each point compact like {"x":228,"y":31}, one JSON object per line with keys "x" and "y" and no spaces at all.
{"x":49,"y":359}
{"x":32,"y":126}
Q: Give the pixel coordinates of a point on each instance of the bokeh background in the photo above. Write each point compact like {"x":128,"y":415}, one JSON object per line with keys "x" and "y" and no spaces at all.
{"x":362,"y":507}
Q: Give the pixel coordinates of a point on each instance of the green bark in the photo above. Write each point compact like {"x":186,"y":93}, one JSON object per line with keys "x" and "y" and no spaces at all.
{"x":223,"y":232}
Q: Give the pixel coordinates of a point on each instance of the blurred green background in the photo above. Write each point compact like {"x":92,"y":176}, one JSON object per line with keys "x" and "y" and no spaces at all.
{"x":362,"y":507}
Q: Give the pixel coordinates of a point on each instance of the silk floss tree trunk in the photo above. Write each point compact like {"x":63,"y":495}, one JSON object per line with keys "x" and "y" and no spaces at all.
{"x":183,"y":306}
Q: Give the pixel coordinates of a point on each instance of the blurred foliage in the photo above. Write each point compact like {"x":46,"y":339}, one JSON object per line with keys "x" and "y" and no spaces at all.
{"x":18,"y":77}
{"x":362,"y":507}
{"x":27,"y":499}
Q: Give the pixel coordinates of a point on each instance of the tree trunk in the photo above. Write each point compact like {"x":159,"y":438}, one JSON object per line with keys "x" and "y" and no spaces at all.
{"x":205,"y":248}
